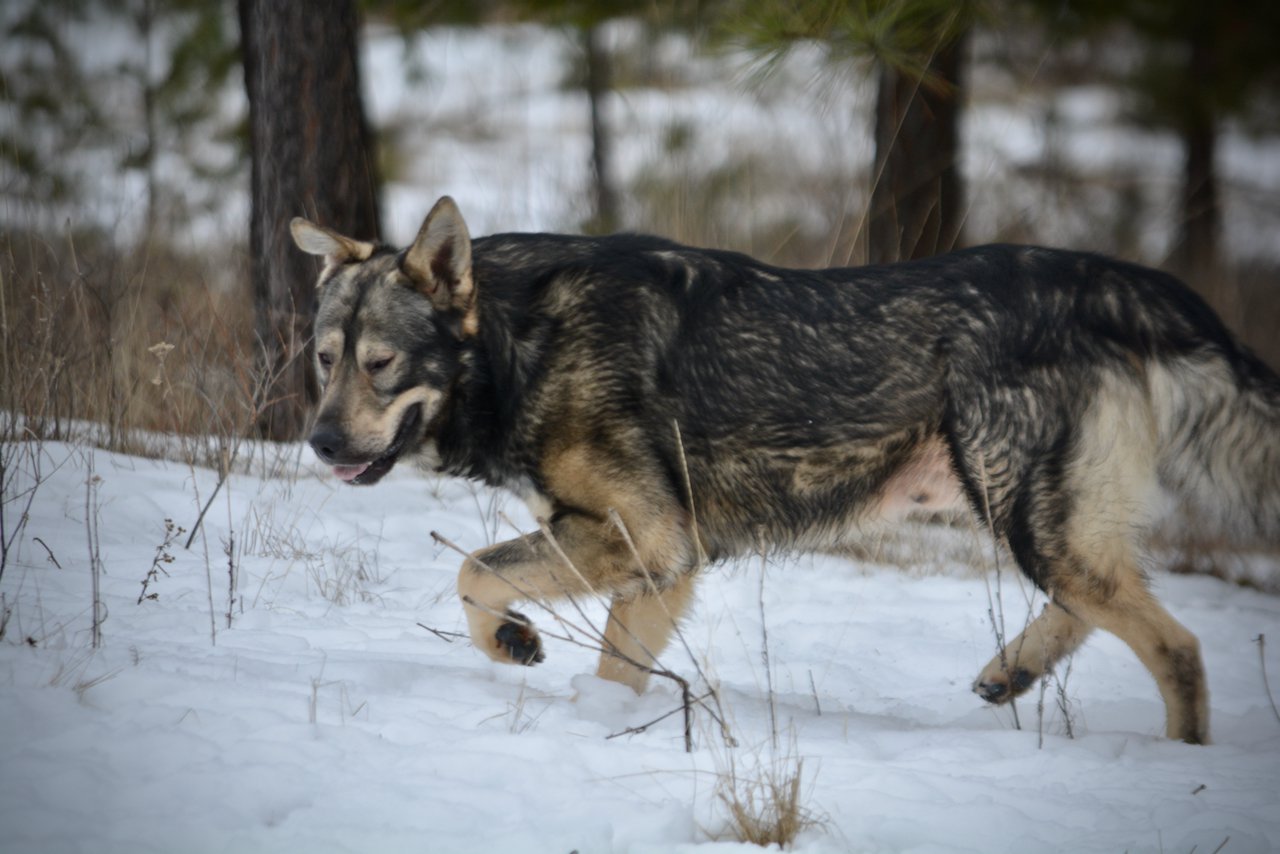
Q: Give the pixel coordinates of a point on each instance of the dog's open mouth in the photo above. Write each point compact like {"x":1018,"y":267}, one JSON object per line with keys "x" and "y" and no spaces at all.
{"x":363,"y":474}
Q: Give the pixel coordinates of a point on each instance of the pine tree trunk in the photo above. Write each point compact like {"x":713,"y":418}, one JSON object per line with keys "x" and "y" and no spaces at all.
{"x":1198,"y":236}
{"x":312,"y":155}
{"x":605,"y":219}
{"x":1196,"y":253}
{"x":916,"y":208}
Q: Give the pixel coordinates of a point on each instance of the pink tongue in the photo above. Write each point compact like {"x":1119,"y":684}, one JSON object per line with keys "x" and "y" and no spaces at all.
{"x":350,"y":473}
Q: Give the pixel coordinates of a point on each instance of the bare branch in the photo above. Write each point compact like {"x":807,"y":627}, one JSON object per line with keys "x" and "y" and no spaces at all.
{"x":1261,"y":640}
{"x":447,"y":637}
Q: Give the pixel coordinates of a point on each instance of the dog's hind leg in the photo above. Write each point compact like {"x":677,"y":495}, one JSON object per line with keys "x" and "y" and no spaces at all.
{"x":1071,"y":512}
{"x":1112,"y":487}
{"x":1054,"y":634}
{"x":1074,"y":527}
{"x":1095,"y":580}
{"x":638,"y":630}
{"x":1164,"y":645}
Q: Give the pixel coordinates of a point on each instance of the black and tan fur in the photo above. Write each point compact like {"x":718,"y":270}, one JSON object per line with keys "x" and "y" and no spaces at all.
{"x":627,"y":386}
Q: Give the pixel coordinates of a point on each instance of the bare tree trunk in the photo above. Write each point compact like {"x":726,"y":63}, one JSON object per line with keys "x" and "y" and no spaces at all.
{"x":598,"y":84}
{"x":1196,"y":253}
{"x":916,"y":208}
{"x":1198,"y":233}
{"x":145,"y":19}
{"x":312,"y":155}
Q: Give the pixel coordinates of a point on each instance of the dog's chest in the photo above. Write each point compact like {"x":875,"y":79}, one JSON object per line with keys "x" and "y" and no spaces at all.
{"x":539,"y":503}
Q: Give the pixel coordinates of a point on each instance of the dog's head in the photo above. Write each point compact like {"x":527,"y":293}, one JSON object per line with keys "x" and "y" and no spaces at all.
{"x":390,"y":328}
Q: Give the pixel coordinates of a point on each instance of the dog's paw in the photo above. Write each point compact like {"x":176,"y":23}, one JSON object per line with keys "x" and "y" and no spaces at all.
{"x":1001,"y":686}
{"x":519,"y":639}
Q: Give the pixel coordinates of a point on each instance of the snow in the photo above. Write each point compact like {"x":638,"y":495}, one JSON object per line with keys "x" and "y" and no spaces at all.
{"x":325,"y":718}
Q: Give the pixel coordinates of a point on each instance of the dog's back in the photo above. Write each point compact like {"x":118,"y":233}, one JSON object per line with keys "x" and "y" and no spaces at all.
{"x":798,"y":394}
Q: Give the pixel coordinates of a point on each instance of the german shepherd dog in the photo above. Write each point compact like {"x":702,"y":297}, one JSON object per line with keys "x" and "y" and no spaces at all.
{"x":661,"y":407}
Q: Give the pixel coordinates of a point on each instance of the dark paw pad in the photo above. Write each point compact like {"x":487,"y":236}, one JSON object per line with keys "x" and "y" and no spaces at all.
{"x":1002,"y":692}
{"x":520,"y":639}
{"x":992,"y":692}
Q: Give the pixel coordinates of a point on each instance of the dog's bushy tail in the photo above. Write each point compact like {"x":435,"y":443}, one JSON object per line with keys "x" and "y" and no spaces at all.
{"x":1218,"y":428}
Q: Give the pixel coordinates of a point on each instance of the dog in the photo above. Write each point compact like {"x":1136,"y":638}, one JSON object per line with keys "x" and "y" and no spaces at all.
{"x":662,"y":407}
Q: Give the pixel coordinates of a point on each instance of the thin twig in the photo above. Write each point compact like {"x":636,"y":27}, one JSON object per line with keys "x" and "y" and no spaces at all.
{"x":447,"y":637}
{"x":764,"y":650}
{"x":1262,"y":662}
{"x":995,"y":605}
{"x":1063,"y":702}
{"x":688,"y":492}
{"x":91,"y":523}
{"x":494,"y":612}
{"x":222,"y":478}
{"x":230,"y":549}
{"x":1044,"y":687}
{"x":545,"y":527}
{"x":636,"y":730}
{"x":48,"y":551}
{"x":814,"y":688}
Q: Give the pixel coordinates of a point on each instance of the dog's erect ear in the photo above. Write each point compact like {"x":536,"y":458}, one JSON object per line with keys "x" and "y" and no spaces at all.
{"x":336,"y":249}
{"x":439,"y":261}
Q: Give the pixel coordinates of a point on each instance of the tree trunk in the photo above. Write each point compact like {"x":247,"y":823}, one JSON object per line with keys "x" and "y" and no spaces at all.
{"x":145,"y":19}
{"x":605,"y":220}
{"x":916,"y":208}
{"x":1196,"y":253}
{"x":312,"y":155}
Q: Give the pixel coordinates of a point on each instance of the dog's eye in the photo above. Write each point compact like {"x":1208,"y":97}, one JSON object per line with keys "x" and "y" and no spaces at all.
{"x":375,"y":365}
{"x":325,"y":360}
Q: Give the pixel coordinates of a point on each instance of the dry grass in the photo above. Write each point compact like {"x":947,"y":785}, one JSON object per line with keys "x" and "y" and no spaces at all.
{"x":767,"y":806}
{"x":111,"y":344}
{"x":120,"y":342}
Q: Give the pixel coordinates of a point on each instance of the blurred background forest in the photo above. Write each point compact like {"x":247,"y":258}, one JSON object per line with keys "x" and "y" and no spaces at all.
{"x":153,"y":151}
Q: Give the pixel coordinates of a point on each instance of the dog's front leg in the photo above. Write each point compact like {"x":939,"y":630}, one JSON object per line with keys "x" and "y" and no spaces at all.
{"x":493,"y":579}
{"x":638,"y":630}
{"x":582,"y":555}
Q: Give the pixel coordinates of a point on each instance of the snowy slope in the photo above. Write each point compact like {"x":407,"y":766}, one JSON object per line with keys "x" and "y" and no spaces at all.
{"x":326,"y":719}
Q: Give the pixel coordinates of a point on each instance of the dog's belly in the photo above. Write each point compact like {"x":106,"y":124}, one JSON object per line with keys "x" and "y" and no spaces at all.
{"x":926,"y":483}
{"x":811,"y":500}
{"x":822,"y":497}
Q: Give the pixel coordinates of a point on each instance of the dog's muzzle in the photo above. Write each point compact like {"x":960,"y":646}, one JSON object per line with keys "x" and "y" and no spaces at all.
{"x":331,"y":446}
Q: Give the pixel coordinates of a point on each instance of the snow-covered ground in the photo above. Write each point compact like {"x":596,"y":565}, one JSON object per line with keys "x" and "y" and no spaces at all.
{"x":324,"y":717}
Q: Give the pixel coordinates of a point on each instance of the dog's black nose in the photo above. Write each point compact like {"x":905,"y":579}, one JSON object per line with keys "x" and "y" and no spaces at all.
{"x":327,"y":443}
